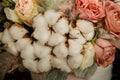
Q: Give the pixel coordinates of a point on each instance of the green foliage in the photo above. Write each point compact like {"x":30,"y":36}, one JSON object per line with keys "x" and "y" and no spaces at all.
{"x":50,"y":4}
{"x":2,"y":50}
{"x":95,"y":36}
{"x":56,"y":74}
{"x":86,"y":73}
{"x":9,"y":3}
{"x":2,"y":18}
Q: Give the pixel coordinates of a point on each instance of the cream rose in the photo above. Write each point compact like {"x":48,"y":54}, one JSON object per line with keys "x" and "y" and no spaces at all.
{"x":104,"y":52}
{"x":91,"y":10}
{"x":112,"y":18}
{"x":26,"y":9}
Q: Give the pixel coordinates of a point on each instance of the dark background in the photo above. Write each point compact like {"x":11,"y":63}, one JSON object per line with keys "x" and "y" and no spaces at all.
{"x":116,"y":66}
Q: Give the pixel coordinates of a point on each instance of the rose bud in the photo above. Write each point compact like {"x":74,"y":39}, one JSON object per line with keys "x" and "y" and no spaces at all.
{"x":104,"y":52}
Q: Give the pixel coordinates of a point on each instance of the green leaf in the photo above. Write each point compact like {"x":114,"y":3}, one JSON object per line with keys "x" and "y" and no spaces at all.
{"x":9,"y":3}
{"x":56,"y":74}
{"x":85,"y":73}
{"x":95,"y":36}
{"x":2,"y":18}
{"x":50,"y":4}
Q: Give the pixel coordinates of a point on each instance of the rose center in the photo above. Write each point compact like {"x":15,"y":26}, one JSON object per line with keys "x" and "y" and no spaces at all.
{"x":25,"y":6}
{"x":117,"y":15}
{"x":93,"y":8}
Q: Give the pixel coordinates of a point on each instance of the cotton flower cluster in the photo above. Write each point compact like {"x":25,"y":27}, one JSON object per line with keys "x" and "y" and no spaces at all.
{"x":55,"y":42}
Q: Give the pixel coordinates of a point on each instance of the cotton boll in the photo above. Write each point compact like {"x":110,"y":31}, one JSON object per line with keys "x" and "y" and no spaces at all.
{"x":6,"y":37}
{"x":60,"y":51}
{"x":52,"y":16}
{"x":55,"y":39}
{"x":41,"y":51}
{"x":39,"y":21}
{"x":9,"y":44}
{"x":10,"y":47}
{"x":75,"y":33}
{"x":85,"y":26}
{"x":22,"y":43}
{"x":47,"y":57}
{"x":41,"y":32}
{"x":60,"y":64}
{"x":89,"y":53}
{"x":28,"y":52}
{"x":61,"y":26}
{"x":31,"y":65}
{"x":42,"y":35}
{"x":89,"y":36}
{"x":75,"y":61}
{"x":81,"y":40}
{"x":75,"y":47}
{"x":17,"y":31}
{"x":44,"y":65}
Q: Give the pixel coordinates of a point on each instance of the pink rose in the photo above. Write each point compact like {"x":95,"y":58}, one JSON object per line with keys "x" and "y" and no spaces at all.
{"x":91,"y":10}
{"x":112,"y":18}
{"x":104,"y":52}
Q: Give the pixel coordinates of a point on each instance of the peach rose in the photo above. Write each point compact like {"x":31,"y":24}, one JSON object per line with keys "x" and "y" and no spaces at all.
{"x":104,"y":52}
{"x":91,"y":10}
{"x":112,"y":18}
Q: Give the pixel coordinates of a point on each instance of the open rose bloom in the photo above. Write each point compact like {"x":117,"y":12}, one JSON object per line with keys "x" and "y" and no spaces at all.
{"x":90,"y":9}
{"x":112,"y":18}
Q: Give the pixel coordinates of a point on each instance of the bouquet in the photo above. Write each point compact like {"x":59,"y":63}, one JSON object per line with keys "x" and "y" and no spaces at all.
{"x":72,"y":36}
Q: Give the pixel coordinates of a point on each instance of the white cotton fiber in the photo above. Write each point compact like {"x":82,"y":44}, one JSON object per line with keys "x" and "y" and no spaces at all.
{"x":6,"y":37}
{"x":85,"y":26}
{"x":75,"y":61}
{"x":61,"y":51}
{"x":52,"y":16}
{"x":55,"y":39}
{"x":41,"y":51}
{"x":75,"y":48}
{"x":60,"y":64}
{"x":31,"y":65}
{"x":22,"y":43}
{"x":28,"y":52}
{"x":17,"y":31}
{"x":41,"y":32}
{"x":11,"y":48}
{"x":61,"y":26}
{"x":44,"y":65}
